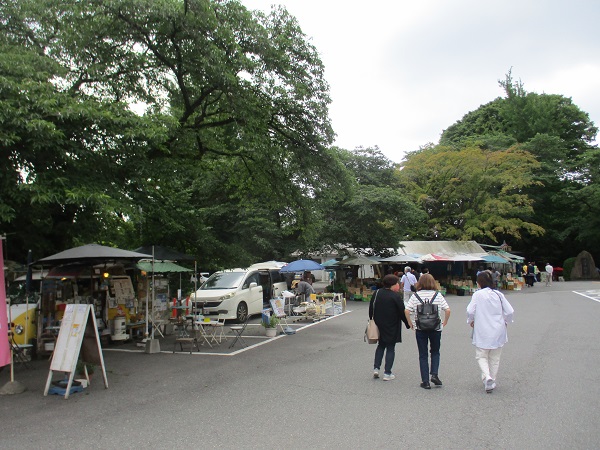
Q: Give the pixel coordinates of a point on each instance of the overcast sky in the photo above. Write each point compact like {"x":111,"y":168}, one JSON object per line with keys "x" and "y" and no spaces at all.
{"x":400,"y":72}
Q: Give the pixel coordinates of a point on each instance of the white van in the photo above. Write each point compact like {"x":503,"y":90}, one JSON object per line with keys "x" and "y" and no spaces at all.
{"x":239,"y":292}
{"x":22,"y":314}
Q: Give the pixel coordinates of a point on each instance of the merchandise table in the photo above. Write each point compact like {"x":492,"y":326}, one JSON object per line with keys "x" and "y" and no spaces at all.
{"x":133,"y":326}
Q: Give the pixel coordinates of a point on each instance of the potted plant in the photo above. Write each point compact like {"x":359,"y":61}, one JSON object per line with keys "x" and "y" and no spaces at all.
{"x":80,"y":369}
{"x":271,"y":325}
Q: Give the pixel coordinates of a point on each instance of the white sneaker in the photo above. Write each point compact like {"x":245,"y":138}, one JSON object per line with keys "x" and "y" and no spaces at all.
{"x":375,"y":373}
{"x":489,"y":385}
{"x":388,"y":376}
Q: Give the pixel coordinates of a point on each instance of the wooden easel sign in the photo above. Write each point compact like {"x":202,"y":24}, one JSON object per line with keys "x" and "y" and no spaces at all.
{"x":78,"y":336}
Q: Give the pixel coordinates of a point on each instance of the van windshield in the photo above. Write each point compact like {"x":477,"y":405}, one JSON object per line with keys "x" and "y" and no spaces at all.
{"x":224,"y":280}
{"x":17,"y":292}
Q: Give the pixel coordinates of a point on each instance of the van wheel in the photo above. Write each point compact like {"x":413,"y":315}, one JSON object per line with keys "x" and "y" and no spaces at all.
{"x":242,"y":313}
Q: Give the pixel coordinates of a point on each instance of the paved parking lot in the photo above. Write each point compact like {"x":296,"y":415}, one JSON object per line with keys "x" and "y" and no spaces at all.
{"x":314,"y":389}
{"x":253,"y":336}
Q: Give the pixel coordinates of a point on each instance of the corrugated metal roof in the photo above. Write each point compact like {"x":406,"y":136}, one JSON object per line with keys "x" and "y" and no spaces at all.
{"x":448,"y":248}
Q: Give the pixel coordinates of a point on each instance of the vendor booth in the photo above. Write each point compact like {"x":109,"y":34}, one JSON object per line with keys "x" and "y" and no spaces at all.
{"x":94,"y":275}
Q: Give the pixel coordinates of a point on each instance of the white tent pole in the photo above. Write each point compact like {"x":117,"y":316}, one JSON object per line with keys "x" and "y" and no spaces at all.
{"x":194,"y":311}
{"x":153,"y":296}
{"x":147,"y":297}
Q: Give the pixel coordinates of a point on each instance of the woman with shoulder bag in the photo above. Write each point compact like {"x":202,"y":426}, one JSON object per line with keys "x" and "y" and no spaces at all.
{"x":428,"y":330}
{"x":386,"y":309}
{"x":488,"y":313}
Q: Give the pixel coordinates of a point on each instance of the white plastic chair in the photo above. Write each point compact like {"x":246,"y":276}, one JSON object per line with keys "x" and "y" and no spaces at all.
{"x":220,"y":326}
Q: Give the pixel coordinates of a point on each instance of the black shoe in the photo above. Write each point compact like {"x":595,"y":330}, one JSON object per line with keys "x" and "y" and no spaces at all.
{"x":425,"y":385}
{"x":435,"y":380}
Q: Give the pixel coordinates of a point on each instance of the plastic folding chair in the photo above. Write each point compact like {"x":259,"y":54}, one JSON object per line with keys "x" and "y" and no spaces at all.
{"x":19,"y":351}
{"x":220,"y":325}
{"x":239,"y":331}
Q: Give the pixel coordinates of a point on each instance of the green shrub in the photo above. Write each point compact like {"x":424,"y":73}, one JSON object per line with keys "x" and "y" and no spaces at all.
{"x":568,"y":267}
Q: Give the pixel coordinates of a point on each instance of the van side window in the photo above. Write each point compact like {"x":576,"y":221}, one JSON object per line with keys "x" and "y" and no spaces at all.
{"x":252,"y":278}
{"x":276,"y":276}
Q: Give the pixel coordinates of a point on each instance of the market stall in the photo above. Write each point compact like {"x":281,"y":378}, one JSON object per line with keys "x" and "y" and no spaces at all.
{"x":90,"y":274}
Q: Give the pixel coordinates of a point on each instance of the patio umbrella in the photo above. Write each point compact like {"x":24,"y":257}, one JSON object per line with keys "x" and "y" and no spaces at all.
{"x":302,"y":265}
{"x":91,"y":253}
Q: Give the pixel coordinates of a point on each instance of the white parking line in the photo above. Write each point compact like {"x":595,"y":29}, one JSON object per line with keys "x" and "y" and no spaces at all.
{"x":592,"y":294}
{"x":241,"y":350}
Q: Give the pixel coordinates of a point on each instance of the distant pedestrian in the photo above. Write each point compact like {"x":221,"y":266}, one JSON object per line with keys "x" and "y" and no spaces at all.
{"x":489,"y":313}
{"x":407,"y":280}
{"x":496,"y":277}
{"x":549,"y":271}
{"x":387,"y":309}
{"x":426,"y":290}
{"x":536,"y":272}
{"x":530,"y":275}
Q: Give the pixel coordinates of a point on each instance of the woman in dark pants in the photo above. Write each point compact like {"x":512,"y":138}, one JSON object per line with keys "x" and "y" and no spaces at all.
{"x":387,"y":309}
{"x":426,"y":289}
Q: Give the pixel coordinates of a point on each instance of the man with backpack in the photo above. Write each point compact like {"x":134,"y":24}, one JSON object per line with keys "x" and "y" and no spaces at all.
{"x":423,"y":315}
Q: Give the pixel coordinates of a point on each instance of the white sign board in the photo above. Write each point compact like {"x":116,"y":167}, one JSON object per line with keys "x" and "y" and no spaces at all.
{"x":78,"y":336}
{"x":70,"y":337}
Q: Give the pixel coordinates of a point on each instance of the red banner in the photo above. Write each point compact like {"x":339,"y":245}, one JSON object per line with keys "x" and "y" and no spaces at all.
{"x":4,"y":347}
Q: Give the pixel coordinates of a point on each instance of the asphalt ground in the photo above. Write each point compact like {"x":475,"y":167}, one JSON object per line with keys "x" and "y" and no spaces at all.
{"x":314,"y":389}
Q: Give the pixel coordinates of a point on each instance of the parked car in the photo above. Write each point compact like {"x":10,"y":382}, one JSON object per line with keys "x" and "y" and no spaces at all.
{"x":239,"y":292}
{"x":203,"y":277}
{"x":22,"y":313}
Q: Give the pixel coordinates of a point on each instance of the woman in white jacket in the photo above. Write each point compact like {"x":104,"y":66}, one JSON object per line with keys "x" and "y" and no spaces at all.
{"x":488,"y":313}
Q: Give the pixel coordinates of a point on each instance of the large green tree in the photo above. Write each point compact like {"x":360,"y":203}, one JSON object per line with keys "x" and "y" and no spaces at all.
{"x":472,"y":194}
{"x":371,"y":214}
{"x":230,"y":120}
{"x":560,"y":136}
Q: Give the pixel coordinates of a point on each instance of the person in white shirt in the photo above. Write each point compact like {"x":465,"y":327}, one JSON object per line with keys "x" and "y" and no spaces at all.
{"x":488,"y":313}
{"x":407,"y":280}
{"x":549,"y":271}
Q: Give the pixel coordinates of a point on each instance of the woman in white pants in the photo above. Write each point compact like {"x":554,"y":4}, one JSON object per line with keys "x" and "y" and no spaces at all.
{"x":488,"y":313}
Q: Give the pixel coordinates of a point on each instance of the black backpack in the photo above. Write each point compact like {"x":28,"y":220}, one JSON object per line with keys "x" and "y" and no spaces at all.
{"x":428,"y":317}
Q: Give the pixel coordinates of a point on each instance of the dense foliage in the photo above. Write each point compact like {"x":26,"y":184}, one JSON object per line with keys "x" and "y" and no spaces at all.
{"x":232,"y":137}
{"x":203,"y":126}
{"x":471,"y":193}
{"x":194,"y":124}
{"x":563,"y":189}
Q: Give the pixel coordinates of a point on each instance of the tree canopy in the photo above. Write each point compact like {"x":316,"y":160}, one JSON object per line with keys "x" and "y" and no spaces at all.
{"x":560,"y":137}
{"x":136,"y":121}
{"x":204,"y":126}
{"x":472,"y":194}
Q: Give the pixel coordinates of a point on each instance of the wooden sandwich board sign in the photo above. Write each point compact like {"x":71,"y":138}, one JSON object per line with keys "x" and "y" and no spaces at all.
{"x":78,"y":337}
